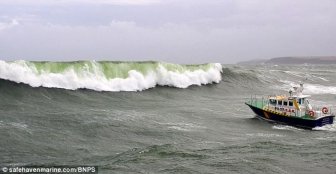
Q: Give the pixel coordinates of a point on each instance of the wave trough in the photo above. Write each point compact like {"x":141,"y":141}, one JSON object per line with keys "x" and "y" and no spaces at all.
{"x":109,"y":76}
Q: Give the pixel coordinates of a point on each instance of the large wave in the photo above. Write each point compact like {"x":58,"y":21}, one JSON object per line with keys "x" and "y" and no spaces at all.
{"x":109,"y":76}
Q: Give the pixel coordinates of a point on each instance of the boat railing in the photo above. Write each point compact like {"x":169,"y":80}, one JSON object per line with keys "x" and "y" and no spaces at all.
{"x":318,"y":111}
{"x":258,"y":101}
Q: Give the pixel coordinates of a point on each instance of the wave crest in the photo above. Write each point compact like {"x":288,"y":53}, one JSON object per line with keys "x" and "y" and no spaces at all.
{"x":109,"y":76}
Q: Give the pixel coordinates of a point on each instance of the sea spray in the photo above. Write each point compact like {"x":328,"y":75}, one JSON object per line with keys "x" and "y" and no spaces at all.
{"x":109,"y":76}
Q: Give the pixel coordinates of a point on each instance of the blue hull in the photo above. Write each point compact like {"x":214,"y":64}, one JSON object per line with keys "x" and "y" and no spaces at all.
{"x":293,"y":121}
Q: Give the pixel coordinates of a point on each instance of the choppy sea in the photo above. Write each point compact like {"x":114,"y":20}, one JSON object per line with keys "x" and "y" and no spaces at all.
{"x":154,"y":117}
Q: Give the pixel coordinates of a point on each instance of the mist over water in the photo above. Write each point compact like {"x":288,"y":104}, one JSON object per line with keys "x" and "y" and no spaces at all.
{"x":190,"y":121}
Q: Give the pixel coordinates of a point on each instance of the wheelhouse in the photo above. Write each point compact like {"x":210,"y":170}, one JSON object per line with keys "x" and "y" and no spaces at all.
{"x":293,"y":105}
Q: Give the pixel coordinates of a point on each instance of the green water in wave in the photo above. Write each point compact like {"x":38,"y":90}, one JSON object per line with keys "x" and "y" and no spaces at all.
{"x":112,"y":69}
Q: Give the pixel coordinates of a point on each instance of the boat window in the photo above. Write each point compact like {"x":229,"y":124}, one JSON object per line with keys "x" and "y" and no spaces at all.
{"x":272,"y":101}
{"x":300,"y":101}
{"x":279,"y":102}
{"x":290,"y":103}
{"x":285,"y":103}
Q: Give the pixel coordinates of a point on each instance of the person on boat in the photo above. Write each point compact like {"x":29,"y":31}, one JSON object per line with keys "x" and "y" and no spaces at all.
{"x":296,"y":90}
{"x":300,"y":89}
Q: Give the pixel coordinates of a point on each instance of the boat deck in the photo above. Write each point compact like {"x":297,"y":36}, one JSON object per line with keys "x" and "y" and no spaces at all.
{"x":263,"y":104}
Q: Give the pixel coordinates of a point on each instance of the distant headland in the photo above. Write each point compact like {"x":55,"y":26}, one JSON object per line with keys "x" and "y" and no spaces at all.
{"x":294,"y":60}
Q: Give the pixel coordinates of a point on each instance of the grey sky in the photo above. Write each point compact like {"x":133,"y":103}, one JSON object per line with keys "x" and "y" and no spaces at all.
{"x":179,"y":31}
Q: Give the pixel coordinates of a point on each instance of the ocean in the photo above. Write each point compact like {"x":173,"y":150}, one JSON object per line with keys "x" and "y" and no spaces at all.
{"x":156,"y":117}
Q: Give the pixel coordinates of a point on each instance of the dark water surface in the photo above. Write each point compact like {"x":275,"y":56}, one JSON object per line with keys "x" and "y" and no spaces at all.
{"x":201,"y":129}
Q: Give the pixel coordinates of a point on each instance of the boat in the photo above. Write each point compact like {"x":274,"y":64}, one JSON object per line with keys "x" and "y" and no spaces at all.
{"x":294,"y":110}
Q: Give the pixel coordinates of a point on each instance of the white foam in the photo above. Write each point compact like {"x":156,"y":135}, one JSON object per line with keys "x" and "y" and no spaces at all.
{"x":294,"y":73}
{"x":184,"y":80}
{"x":19,"y":125}
{"x":266,"y":135}
{"x":329,"y":127}
{"x":183,"y":126}
{"x":20,"y":72}
{"x":285,"y":127}
{"x":309,"y":88}
{"x":319,"y":89}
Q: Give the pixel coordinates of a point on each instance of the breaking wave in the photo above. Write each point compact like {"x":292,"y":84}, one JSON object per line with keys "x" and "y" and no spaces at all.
{"x":109,"y":76}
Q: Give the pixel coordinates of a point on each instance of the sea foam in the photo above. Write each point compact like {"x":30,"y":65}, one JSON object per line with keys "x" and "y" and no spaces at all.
{"x":109,"y":76}
{"x":309,"y":88}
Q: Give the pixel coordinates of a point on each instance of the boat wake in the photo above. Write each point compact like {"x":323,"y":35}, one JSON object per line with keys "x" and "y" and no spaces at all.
{"x":286,"y":127}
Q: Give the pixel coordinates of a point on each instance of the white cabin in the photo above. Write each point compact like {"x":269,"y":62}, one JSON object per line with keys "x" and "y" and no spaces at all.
{"x":292,"y":105}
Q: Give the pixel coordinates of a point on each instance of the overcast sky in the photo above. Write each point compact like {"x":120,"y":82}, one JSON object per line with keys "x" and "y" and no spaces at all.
{"x":178,"y":31}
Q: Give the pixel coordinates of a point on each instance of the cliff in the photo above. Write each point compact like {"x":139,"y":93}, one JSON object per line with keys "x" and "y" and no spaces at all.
{"x":303,"y":60}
